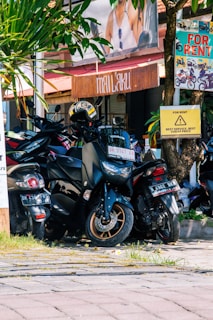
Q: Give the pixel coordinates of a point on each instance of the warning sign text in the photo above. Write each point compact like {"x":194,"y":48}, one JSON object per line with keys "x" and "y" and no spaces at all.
{"x":180,"y":121}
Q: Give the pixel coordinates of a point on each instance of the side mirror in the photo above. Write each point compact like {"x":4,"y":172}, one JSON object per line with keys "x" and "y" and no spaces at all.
{"x":118,"y":121}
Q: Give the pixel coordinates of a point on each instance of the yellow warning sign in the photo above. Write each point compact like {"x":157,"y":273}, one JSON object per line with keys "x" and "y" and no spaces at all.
{"x":180,"y":121}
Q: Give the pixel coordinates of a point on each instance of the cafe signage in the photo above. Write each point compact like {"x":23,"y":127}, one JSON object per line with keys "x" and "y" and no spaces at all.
{"x":120,"y":81}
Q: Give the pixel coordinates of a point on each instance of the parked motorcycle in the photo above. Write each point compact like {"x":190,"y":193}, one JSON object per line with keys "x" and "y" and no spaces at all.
{"x":153,"y":200}
{"x":92,"y":194}
{"x":28,"y":200}
{"x":147,"y":185}
{"x":155,"y":207}
{"x":33,"y":146}
{"x":202,"y":196}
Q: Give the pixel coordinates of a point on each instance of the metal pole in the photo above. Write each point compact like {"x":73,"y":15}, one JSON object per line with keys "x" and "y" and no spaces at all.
{"x":39,"y":83}
{"x":176,"y":102}
{"x":4,"y":205}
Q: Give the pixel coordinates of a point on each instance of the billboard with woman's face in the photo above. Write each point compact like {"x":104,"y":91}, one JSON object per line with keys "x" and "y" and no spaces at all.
{"x":129,"y":30}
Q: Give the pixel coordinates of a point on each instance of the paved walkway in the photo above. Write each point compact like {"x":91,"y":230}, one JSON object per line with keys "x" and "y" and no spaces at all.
{"x":78,"y":282}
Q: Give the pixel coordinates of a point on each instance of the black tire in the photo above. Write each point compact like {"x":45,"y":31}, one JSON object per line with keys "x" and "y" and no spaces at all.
{"x":113,"y":232}
{"x":53,"y":231}
{"x":177,"y":82}
{"x":194,"y":79}
{"x":179,"y":47}
{"x":38,"y":230}
{"x":170,"y":229}
{"x":190,"y":84}
{"x":202,"y":86}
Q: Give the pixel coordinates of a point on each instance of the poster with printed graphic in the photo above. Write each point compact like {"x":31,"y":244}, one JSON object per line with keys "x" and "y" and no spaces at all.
{"x":129,"y":30}
{"x":194,"y":55}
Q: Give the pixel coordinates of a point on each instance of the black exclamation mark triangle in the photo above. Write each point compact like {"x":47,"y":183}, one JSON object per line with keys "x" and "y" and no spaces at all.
{"x":180,"y":121}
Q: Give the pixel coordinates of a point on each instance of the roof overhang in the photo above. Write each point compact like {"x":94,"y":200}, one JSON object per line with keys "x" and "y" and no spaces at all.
{"x":97,"y":79}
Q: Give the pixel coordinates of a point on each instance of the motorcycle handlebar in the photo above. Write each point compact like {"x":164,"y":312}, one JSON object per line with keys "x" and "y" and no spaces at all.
{"x":45,"y":124}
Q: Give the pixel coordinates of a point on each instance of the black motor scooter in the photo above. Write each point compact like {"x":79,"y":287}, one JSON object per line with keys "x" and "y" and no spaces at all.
{"x":33,"y":146}
{"x":92,"y":194}
{"x":28,"y":200}
{"x":155,"y":207}
{"x":202,"y":196}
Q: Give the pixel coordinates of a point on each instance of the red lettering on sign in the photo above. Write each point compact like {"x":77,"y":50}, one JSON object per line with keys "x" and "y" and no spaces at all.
{"x":197,"y":50}
{"x":186,"y":49}
{"x":190,"y":37}
{"x":205,"y":40}
{"x":194,"y":50}
{"x":198,"y":39}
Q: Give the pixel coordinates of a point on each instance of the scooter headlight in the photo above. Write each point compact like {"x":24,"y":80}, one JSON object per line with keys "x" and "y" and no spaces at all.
{"x":114,"y":170}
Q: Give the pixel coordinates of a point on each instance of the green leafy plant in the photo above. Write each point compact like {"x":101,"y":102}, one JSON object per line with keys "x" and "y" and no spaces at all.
{"x":153,"y":126}
{"x":33,"y":26}
{"x":193,"y":215}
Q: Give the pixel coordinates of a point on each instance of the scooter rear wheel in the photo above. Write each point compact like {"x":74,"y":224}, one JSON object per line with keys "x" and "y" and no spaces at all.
{"x":110,"y":233}
{"x":170,"y":229}
{"x":38,"y":230}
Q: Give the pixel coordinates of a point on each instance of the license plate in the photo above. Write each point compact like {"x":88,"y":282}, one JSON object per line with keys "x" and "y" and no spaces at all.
{"x":35,"y":199}
{"x":121,"y":153}
{"x":163,"y":188}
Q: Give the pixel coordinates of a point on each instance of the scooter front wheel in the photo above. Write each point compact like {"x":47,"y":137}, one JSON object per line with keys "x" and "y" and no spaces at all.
{"x":112,"y":232}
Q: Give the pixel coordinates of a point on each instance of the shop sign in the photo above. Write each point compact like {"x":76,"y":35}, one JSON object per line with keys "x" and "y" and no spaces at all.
{"x":120,"y":81}
{"x":115,"y":83}
{"x":180,"y":121}
{"x":194,"y":55}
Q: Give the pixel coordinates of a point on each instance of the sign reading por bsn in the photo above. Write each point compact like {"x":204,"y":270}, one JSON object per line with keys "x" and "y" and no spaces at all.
{"x":180,"y":121}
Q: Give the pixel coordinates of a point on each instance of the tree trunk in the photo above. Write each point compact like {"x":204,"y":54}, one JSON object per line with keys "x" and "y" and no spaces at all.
{"x":179,"y":165}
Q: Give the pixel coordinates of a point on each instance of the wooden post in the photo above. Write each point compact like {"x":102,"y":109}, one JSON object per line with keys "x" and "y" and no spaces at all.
{"x":4,"y":206}
{"x":4,"y":220}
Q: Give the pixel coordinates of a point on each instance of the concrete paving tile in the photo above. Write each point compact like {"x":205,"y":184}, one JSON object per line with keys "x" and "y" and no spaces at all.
{"x":135,"y":296}
{"x":200,"y":304}
{"x":95,"y":317}
{"x":162,"y":306}
{"x":54,"y":318}
{"x":30,"y":312}
{"x":57,"y":300}
{"x":19,"y":301}
{"x":123,"y":307}
{"x":9,"y":314}
{"x":83,"y":310}
{"x":185,"y":315}
{"x":178,"y":295}
{"x":205,"y":314}
{"x":137,"y":316}
{"x":101,"y":298}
